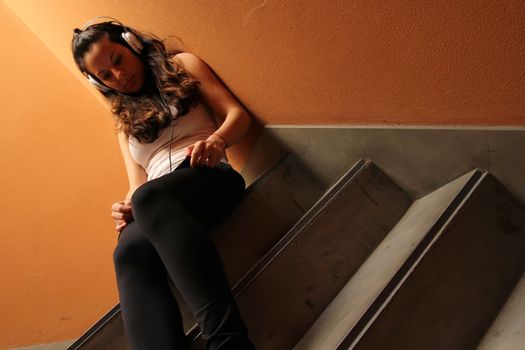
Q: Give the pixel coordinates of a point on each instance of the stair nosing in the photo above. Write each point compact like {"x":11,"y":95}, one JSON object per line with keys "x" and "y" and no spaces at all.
{"x":103,"y":321}
{"x":331,"y":193}
{"x":303,"y":222}
{"x":395,"y":283}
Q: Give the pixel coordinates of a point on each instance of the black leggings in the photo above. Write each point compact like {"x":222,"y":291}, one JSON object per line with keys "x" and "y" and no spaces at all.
{"x":172,"y":218}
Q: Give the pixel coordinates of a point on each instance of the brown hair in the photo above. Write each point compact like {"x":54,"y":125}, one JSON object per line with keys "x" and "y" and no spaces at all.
{"x":143,"y":114}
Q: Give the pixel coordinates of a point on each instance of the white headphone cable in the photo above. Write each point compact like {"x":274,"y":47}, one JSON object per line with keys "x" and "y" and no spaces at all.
{"x":172,"y":119}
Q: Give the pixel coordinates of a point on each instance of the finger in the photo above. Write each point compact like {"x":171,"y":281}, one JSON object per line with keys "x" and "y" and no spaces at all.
{"x":196,"y":154}
{"x":120,"y":227}
{"x":221,"y":152}
{"x":119,"y":221}
{"x":122,"y":217}
{"x":124,"y":209}
{"x":218,"y":156}
{"x":210,"y":154}
{"x":213,"y":159}
{"x":214,"y":155}
{"x":116,"y":205}
{"x":188,"y":150}
{"x":117,"y":216}
{"x":204,"y":158}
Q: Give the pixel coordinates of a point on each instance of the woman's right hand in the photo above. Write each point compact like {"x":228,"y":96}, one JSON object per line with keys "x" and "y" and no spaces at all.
{"x":121,"y":214}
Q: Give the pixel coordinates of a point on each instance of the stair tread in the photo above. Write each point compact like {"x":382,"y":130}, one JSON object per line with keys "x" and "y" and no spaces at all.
{"x":508,"y":330}
{"x":288,"y":295}
{"x":367,"y":283}
{"x":460,"y":283}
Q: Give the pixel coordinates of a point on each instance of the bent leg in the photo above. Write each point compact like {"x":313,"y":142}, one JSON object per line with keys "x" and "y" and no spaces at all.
{"x":150,"y":313}
{"x":175,"y":212}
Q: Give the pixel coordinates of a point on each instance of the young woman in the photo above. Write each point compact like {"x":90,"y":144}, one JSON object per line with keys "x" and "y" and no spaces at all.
{"x":180,"y":182}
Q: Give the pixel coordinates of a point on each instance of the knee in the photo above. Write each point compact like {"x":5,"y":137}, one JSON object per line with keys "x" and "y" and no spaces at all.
{"x":131,"y":253}
{"x":150,"y":197}
{"x":142,"y":196}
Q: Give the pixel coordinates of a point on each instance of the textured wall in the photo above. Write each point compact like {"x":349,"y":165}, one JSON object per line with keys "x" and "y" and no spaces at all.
{"x":339,"y":61}
{"x":289,"y":62}
{"x":60,"y":172}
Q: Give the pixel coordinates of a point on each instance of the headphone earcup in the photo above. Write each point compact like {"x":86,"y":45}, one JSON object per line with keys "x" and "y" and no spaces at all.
{"x":98,"y":85}
{"x":133,"y":42}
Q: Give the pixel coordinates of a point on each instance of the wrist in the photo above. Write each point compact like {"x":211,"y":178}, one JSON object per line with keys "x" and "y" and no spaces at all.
{"x":218,"y":137}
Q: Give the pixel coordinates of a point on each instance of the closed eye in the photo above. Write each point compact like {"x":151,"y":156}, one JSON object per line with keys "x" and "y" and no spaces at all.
{"x":106,"y":76}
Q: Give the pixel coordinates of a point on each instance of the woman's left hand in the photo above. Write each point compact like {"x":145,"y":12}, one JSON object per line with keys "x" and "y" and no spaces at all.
{"x":206,"y":153}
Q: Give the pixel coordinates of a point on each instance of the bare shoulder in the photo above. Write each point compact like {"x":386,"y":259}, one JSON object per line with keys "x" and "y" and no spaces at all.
{"x":183,"y":58}
{"x":192,"y":63}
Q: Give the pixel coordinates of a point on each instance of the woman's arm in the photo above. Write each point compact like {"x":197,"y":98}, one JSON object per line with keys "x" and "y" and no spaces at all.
{"x":121,"y":211}
{"x":236,"y":120}
{"x":136,"y":173}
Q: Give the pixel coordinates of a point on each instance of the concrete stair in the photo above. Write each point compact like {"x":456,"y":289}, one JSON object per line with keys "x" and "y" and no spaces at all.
{"x":317,"y":256}
{"x":438,"y":279}
{"x":435,"y":281}
{"x":508,"y":330}
{"x":366,"y":292}
{"x":272,"y":205}
{"x":360,"y":264}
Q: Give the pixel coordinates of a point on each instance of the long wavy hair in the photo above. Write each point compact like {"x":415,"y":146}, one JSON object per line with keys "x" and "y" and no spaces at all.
{"x":143,"y":114}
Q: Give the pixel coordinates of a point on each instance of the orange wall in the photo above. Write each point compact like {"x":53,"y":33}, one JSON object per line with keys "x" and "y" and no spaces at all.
{"x":339,"y":61}
{"x":61,"y":170}
{"x":325,"y":62}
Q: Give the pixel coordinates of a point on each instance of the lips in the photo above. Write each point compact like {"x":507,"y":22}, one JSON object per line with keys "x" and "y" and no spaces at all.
{"x":129,"y":81}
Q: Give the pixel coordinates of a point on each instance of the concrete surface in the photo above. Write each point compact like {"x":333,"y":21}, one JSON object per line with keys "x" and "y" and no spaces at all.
{"x":419,"y":159}
{"x":458,"y":287}
{"x":109,"y":337}
{"x":287,"y":297}
{"x":272,"y":205}
{"x":270,"y":208}
{"x":53,"y":346}
{"x":508,"y":331}
{"x":363,"y":289}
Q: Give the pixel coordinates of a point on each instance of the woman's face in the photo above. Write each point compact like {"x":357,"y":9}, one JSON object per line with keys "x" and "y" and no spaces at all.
{"x":115,"y":65}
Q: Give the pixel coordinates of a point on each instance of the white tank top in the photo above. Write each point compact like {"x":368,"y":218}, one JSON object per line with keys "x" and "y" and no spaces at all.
{"x":194,"y":126}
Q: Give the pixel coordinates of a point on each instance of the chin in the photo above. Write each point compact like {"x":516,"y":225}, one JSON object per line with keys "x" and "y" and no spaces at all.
{"x":134,"y":91}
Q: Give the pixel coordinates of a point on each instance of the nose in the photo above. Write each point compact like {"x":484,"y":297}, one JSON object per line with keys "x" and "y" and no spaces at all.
{"x":119,"y":74}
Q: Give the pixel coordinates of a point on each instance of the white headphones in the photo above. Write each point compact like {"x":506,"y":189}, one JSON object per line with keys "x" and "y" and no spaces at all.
{"x":128,"y":36}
